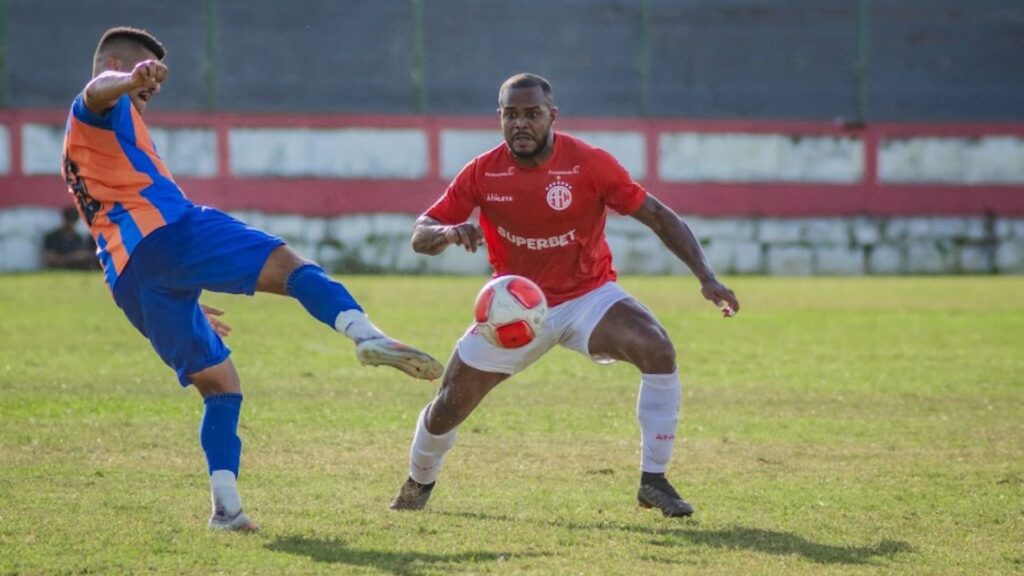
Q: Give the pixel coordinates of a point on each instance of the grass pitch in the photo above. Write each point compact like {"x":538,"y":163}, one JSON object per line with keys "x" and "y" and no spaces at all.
{"x":836,"y":426}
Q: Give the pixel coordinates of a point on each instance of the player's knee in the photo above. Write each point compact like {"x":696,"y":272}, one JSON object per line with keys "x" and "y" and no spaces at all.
{"x":657,"y":355}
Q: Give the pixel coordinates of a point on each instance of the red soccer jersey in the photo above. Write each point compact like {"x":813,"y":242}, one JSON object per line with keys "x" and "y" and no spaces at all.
{"x":545,"y":223}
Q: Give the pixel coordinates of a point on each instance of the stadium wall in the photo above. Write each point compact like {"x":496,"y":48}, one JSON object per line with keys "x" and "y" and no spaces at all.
{"x":765,"y":197}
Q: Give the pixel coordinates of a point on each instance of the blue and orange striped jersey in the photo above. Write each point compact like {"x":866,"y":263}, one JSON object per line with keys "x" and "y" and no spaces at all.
{"x":121,"y":187}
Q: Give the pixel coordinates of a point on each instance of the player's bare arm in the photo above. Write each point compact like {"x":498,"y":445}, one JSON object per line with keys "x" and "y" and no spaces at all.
{"x":103,"y":91}
{"x":678,"y":237}
{"x":431,"y":237}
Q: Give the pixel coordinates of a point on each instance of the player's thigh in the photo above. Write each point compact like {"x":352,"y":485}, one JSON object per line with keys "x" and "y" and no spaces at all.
{"x":180,"y":333}
{"x":629,"y":332}
{"x":210,"y":251}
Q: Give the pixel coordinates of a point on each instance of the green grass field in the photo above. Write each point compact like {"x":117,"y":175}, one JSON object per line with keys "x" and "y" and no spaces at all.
{"x":836,"y":426}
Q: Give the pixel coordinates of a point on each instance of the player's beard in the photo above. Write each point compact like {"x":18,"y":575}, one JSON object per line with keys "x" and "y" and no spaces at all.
{"x":542,"y":146}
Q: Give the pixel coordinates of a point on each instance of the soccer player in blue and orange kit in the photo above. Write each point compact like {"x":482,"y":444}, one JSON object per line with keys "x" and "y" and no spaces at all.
{"x":159,"y":251}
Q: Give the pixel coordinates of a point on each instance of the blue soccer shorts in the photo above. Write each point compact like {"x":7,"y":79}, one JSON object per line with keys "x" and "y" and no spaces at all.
{"x":159,"y":289}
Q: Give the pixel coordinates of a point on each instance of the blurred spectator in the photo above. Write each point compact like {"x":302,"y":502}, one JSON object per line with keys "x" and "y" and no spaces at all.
{"x":64,"y":248}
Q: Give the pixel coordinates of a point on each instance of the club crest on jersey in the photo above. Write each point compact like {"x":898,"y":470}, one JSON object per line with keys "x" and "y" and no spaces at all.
{"x":559,"y":195}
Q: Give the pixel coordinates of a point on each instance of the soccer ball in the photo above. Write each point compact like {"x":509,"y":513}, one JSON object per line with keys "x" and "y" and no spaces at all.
{"x":510,"y":311}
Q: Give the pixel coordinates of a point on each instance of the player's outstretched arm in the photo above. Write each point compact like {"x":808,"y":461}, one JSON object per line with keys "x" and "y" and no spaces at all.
{"x":678,"y":237}
{"x":103,"y":91}
{"x":431,"y":237}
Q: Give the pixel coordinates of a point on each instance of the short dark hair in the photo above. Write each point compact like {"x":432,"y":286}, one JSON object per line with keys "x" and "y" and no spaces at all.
{"x":526,"y":80}
{"x":129,"y":34}
{"x":70,"y":214}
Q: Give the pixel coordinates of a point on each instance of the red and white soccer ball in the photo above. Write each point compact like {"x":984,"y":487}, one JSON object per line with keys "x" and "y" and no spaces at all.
{"x":510,"y":311}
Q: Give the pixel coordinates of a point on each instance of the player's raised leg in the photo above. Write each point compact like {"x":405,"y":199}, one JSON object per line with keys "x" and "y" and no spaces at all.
{"x":218,"y":434}
{"x":286,"y":273}
{"x":629,"y":332}
{"x":461,"y":391}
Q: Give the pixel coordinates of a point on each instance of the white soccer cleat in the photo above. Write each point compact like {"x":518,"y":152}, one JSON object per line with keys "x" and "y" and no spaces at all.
{"x":384,"y":351}
{"x":239,"y":522}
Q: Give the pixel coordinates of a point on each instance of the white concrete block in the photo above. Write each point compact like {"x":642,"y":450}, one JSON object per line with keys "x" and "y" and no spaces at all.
{"x":704,"y":157}
{"x":5,"y":149}
{"x":341,"y":153}
{"x":976,"y":259}
{"x":329,"y":257}
{"x":826,"y":230}
{"x":896,"y":229}
{"x":1010,"y":256}
{"x":351,"y":230}
{"x":986,"y":160}
{"x":42,"y":147}
{"x":314,"y":230}
{"x":20,"y":253}
{"x":287,"y":226}
{"x":749,"y":258}
{"x":455,"y":260}
{"x":393,"y":225}
{"x":721,"y":254}
{"x":627,"y":147}
{"x":29,"y":221}
{"x":789,"y":261}
{"x":1009,"y":228}
{"x":886,"y":259}
{"x":642,"y":256}
{"x":305,"y":249}
{"x":624,"y":226}
{"x":839,"y":260}
{"x":948,"y":228}
{"x":735,"y":229}
{"x":187,"y":151}
{"x":458,"y":147}
{"x":777,"y":231}
{"x":866,"y":231}
{"x":930,"y":257}
{"x":409,"y":262}
{"x":975,"y":228}
{"x":919,"y":229}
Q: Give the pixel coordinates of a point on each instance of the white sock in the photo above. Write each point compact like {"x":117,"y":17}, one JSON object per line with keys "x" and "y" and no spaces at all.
{"x":427,"y":452}
{"x":354,"y":324}
{"x":657,"y":409}
{"x":224,"y":492}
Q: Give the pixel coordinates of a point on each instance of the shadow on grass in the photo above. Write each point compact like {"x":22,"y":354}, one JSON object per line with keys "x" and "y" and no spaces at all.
{"x":735,"y":538}
{"x":397,"y":563}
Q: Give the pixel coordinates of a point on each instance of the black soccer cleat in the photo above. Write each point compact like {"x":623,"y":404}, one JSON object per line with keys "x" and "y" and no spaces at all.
{"x":412,"y":496}
{"x":656,"y":492}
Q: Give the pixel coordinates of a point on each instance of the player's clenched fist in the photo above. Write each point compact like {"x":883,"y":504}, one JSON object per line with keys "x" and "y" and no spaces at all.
{"x":467,"y":235}
{"x":149,"y":74}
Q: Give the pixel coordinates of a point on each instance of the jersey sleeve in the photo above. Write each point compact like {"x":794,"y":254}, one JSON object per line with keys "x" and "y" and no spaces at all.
{"x":108,"y":119}
{"x":618,"y":189}
{"x":459,"y":200}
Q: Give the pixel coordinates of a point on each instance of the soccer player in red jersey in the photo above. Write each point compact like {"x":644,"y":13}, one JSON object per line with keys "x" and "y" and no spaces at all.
{"x":159,"y":251}
{"x":542,"y":197}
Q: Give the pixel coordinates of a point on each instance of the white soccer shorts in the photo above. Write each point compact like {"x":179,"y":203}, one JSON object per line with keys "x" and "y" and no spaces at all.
{"x":569,"y":324}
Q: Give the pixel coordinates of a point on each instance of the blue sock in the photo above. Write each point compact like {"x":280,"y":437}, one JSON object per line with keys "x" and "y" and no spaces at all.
{"x":218,"y":432}
{"x":322,"y":297}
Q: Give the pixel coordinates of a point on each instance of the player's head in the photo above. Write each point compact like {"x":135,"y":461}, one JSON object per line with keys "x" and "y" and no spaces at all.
{"x":70,"y":215}
{"x":527,"y":110}
{"x":120,"y":49}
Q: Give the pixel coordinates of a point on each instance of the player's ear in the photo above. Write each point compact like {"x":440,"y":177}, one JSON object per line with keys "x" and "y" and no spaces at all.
{"x":554,"y":113}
